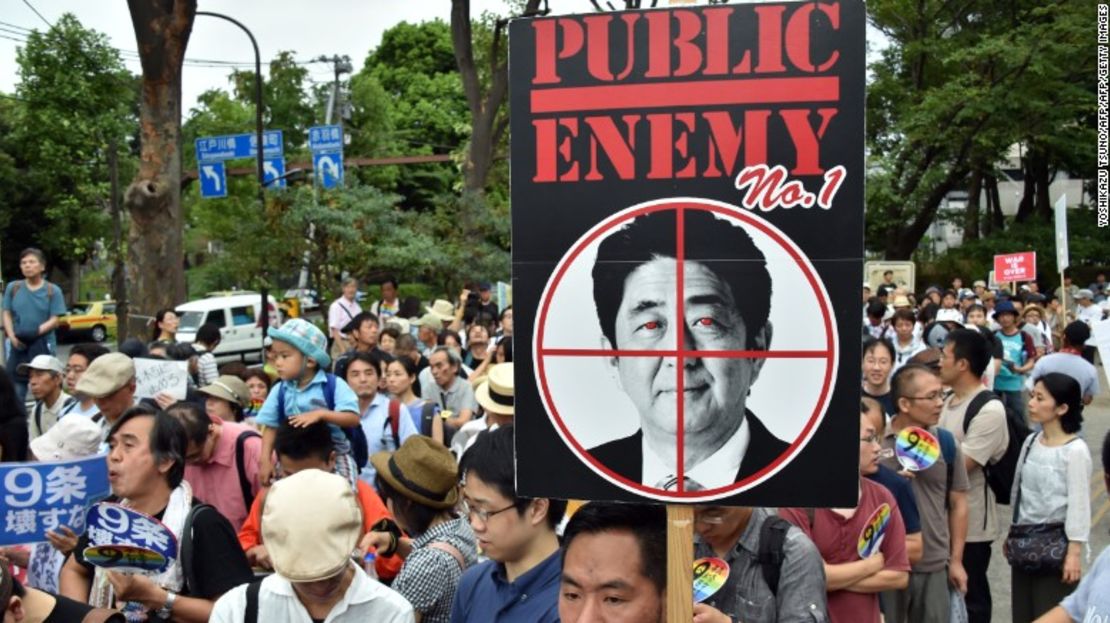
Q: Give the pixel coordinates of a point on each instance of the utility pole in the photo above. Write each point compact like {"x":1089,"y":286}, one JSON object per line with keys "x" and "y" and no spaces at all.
{"x":337,"y":100}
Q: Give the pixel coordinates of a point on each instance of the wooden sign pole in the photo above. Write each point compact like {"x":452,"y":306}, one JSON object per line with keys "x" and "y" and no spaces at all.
{"x":680,"y":563}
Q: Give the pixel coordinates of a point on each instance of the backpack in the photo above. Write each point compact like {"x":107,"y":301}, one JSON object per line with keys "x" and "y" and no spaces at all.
{"x":360,"y":449}
{"x":244,"y":482}
{"x":772,"y":536}
{"x":188,"y":571}
{"x":1000,"y":474}
{"x":16,"y":285}
{"x":947,"y":443}
{"x":394,"y":421}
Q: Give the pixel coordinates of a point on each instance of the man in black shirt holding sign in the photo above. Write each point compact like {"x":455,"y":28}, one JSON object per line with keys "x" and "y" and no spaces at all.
{"x":146,"y":468}
{"x":726,"y":303}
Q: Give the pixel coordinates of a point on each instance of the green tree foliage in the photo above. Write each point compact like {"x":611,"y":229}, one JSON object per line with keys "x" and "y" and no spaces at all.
{"x":413,"y":71}
{"x":957,"y":86}
{"x":285,"y":98}
{"x":73,"y":99}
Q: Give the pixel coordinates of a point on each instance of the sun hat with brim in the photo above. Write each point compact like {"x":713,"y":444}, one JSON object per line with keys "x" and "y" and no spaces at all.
{"x":1004,"y":307}
{"x":428,"y":320}
{"x":72,"y":437}
{"x":495,"y":394}
{"x":1084,"y":294}
{"x":230,"y":388}
{"x":305,"y":337}
{"x":979,"y":283}
{"x":106,"y":375}
{"x":901,"y":301}
{"x":442,"y":309}
{"x":401,"y":324}
{"x":422,"y":470}
{"x":1032,"y":307}
{"x":311,"y":523}
{"x":45,"y":363}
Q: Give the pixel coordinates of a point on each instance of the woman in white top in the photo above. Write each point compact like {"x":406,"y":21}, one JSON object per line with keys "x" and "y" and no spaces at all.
{"x":1053,"y":481}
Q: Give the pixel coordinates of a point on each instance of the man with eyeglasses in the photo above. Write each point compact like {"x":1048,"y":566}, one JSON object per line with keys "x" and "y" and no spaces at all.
{"x":852,"y":581}
{"x":520,"y":582}
{"x":81,"y":357}
{"x":740,"y":536}
{"x":941,"y":494}
{"x":221,"y":459}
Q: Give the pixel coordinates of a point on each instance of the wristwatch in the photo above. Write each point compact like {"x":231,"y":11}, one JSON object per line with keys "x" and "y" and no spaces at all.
{"x":166,"y":611}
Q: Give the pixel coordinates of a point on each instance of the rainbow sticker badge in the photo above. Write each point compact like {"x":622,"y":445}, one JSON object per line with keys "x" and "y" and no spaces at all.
{"x":125,"y":558}
{"x":916,"y":449}
{"x":872,"y":536}
{"x":710,"y":574}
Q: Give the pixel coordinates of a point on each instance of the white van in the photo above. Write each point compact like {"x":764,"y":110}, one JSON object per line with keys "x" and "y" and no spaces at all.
{"x":236,"y":313}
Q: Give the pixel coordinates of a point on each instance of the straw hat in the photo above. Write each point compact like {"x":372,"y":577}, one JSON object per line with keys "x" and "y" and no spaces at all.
{"x":442,"y":309}
{"x":422,"y":470}
{"x":230,"y":388}
{"x":495,"y":394}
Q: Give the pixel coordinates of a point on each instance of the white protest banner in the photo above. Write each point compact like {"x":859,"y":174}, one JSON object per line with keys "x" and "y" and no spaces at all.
{"x":1101,"y":332}
{"x":1062,"y":233}
{"x":154,"y":376}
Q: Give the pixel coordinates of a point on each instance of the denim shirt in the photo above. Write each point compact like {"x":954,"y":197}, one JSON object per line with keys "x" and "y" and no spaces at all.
{"x":486,"y":595}
{"x":746,"y":596}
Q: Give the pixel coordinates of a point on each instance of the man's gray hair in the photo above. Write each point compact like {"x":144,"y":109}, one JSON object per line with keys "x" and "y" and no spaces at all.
{"x":452,"y":357}
{"x":348,"y":281}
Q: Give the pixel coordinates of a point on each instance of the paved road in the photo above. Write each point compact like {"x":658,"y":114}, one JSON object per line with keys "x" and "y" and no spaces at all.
{"x":1096,"y":423}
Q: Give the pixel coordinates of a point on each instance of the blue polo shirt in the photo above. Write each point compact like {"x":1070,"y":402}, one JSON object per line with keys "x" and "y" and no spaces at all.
{"x":310,"y":398}
{"x":485,"y":595}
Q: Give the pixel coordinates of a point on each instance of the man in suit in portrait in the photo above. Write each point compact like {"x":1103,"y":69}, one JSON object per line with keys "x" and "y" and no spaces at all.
{"x":724,"y":308}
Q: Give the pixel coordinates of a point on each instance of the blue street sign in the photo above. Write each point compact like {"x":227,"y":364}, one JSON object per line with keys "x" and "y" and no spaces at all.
{"x":232,"y":146}
{"x":325,"y":138}
{"x":213,"y":180}
{"x":273,"y":169}
{"x":328,"y":167}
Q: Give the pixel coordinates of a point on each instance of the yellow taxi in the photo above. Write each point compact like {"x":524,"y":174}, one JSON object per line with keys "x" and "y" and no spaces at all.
{"x":96,"y":319}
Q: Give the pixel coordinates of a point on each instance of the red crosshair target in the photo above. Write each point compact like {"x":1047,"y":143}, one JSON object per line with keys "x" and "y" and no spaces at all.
{"x":828,"y":354}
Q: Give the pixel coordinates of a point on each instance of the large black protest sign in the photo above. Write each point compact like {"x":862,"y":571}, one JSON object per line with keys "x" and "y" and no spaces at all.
{"x":687,"y":203}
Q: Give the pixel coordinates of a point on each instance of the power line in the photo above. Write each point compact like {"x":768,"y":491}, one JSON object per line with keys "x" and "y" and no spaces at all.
{"x":32,"y":7}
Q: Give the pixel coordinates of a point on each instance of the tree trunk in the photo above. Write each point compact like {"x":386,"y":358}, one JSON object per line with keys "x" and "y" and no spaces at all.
{"x":1029,"y":191}
{"x":1042,"y":205}
{"x":155,"y":253}
{"x":997,"y":219}
{"x":486,"y":126}
{"x":75,"y":281}
{"x":971,"y":216}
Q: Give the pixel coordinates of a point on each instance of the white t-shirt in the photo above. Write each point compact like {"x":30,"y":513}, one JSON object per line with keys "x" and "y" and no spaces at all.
{"x":365,"y":600}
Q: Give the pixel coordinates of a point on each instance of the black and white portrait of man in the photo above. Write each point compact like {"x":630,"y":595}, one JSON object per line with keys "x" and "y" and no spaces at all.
{"x":725,"y":305}
{"x":740,"y":337}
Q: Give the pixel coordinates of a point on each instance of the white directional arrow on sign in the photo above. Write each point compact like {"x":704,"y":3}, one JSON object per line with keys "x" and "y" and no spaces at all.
{"x":270,"y":170}
{"x":328,"y":167}
{"x":210,"y":172}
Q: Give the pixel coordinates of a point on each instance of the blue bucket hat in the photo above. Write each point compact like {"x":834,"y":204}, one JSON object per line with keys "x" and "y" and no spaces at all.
{"x":305,"y":337}
{"x":1004,"y":307}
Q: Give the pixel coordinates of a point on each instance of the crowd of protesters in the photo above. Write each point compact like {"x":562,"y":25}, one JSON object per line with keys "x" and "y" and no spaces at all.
{"x":365,"y":472}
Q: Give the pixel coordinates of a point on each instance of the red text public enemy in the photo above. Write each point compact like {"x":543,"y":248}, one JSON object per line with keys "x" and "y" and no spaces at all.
{"x":678,"y":94}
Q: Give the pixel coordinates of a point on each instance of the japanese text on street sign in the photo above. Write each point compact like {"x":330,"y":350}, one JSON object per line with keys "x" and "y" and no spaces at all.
{"x":154,"y":376}
{"x":112,"y":524}
{"x":325,"y":138}
{"x":232,"y":146}
{"x":1015,"y":267}
{"x":40,"y":497}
